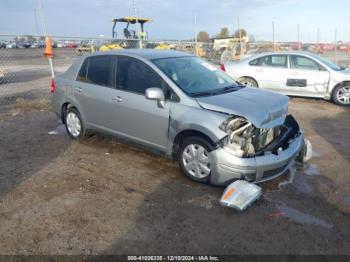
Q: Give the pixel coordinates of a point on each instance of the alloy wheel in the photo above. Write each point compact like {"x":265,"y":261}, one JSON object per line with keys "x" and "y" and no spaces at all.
{"x":343,"y":95}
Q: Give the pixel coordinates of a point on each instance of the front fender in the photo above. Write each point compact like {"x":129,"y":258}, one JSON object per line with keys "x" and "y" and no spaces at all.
{"x":184,"y":118}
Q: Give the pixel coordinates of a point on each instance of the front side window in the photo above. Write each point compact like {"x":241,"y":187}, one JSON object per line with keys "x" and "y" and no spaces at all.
{"x":279,"y":61}
{"x":304,"y":63}
{"x":135,"y":76}
{"x":99,"y":70}
{"x":328,"y":63}
{"x":195,"y":76}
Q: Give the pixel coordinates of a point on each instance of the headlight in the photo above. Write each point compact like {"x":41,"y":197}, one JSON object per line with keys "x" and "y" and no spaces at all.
{"x":234,"y":125}
{"x":239,"y":136}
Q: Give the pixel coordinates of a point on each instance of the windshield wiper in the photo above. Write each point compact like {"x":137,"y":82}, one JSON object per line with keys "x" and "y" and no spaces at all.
{"x":226,"y":89}
{"x":206,"y":93}
{"x":236,"y":87}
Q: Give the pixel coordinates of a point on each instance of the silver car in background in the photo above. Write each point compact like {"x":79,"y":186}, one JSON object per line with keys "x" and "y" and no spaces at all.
{"x":294,"y":73}
{"x":183,"y":107}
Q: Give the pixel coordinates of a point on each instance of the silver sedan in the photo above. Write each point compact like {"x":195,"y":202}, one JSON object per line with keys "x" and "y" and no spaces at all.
{"x":294,"y":73}
{"x":183,"y":107}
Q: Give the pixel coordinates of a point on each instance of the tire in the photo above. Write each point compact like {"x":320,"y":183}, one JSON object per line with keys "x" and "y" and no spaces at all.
{"x":249,"y":82}
{"x":194,"y":160}
{"x":74,"y":124}
{"x":341,"y":95}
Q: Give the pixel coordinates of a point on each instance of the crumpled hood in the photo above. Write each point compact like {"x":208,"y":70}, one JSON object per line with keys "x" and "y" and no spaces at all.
{"x":264,"y":109}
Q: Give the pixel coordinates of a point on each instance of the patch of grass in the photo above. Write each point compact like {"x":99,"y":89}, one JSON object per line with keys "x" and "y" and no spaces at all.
{"x":23,"y":106}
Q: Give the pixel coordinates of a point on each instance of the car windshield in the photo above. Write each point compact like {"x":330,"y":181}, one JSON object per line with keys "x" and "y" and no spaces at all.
{"x":328,"y":63}
{"x":196,"y":77}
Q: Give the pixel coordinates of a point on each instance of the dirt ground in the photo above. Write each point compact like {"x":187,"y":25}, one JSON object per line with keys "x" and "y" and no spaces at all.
{"x":99,"y":196}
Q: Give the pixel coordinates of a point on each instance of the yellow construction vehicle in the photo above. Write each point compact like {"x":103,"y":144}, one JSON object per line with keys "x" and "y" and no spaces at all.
{"x":131,"y":38}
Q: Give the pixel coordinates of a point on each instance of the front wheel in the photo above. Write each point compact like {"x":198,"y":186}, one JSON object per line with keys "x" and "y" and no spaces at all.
{"x":194,"y":159}
{"x":341,"y":95}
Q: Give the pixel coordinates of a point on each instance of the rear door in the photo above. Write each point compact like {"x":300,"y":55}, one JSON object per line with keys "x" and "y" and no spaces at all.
{"x":93,"y":89}
{"x":271,"y":71}
{"x":307,"y":77}
{"x":134,"y":116}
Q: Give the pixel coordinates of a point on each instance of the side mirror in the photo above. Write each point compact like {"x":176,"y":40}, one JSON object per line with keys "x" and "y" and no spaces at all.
{"x":155,"y":93}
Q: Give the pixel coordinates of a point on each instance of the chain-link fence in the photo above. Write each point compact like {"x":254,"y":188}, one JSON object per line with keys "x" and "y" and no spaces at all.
{"x":25,"y":73}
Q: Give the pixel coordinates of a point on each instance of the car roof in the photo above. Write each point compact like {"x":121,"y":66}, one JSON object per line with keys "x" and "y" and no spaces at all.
{"x":280,"y":53}
{"x":148,"y":54}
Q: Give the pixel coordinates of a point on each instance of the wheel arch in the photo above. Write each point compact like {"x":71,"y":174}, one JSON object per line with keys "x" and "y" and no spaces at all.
{"x":65,"y":106}
{"x":181,"y":136}
{"x":340,"y":84}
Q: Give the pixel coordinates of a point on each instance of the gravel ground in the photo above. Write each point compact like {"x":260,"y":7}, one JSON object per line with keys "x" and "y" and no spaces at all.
{"x":99,"y":196}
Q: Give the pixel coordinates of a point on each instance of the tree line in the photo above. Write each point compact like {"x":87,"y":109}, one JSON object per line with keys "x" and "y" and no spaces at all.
{"x":203,"y":36}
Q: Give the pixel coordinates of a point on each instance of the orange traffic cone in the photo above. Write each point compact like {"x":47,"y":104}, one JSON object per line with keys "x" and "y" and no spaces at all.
{"x":48,"y":49}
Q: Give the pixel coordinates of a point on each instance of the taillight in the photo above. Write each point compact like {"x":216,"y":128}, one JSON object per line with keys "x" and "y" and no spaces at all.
{"x":53,"y":86}
{"x":222,"y":67}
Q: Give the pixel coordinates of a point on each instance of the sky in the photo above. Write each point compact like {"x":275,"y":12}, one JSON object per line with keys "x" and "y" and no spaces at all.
{"x":174,"y":19}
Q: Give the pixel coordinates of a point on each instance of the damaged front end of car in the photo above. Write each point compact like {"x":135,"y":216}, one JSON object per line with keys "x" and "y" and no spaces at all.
{"x":255,"y":154}
{"x":245,"y":140}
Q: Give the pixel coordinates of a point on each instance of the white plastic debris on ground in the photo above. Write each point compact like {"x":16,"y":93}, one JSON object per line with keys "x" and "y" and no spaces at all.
{"x":240,"y":194}
{"x":308,"y":153}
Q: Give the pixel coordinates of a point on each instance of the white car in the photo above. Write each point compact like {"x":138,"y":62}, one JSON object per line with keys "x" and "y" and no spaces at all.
{"x":293,"y":73}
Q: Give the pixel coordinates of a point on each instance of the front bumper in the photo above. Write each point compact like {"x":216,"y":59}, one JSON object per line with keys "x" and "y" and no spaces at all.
{"x":227,"y":167}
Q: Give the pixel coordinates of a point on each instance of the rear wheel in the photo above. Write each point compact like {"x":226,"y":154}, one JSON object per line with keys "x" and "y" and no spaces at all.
{"x":341,"y":95}
{"x":74,"y":123}
{"x":249,"y":82}
{"x":194,"y":159}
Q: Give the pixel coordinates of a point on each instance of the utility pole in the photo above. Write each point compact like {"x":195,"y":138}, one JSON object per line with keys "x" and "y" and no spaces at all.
{"x":137,"y":23}
{"x":240,"y":37}
{"x":273,"y":36}
{"x":42,"y":17}
{"x":195,"y":32}
{"x":298,"y":32}
{"x":335,"y":46}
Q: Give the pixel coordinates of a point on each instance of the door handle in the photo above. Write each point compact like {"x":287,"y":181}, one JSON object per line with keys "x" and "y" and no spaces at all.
{"x":78,"y":89}
{"x":117,"y":98}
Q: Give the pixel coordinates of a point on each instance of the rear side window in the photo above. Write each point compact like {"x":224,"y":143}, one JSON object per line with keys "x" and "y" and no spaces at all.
{"x":255,"y":62}
{"x":135,"y":76}
{"x":279,"y":61}
{"x":99,"y":70}
{"x":96,"y":70}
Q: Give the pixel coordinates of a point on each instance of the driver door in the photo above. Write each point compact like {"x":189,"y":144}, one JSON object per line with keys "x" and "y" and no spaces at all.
{"x":134,"y":116}
{"x":306,"y":77}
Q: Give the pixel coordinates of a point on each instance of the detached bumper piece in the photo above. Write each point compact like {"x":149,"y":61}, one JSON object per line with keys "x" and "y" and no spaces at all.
{"x":240,"y":194}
